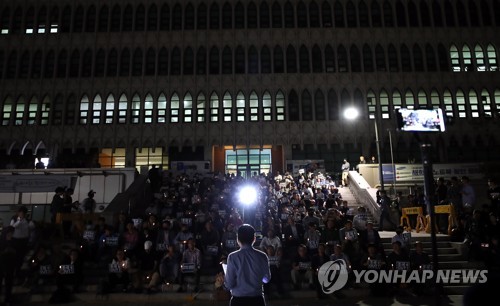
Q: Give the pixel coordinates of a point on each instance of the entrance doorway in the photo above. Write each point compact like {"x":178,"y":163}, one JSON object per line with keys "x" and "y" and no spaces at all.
{"x":248,"y":162}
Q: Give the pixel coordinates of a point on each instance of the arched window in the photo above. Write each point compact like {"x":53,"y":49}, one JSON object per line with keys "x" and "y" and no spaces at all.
{"x":177,"y":17}
{"x":264,"y":15}
{"x":467,"y":58}
{"x":69,"y":115}
{"x":461,"y":14}
{"x":91,"y":20}
{"x":239,"y":16}
{"x":355,"y":59}
{"x":254,"y":106}
{"x":345,"y":99}
{"x":175,"y":106}
{"x":314,"y":15}
{"x":486,"y":13}
{"x":460,"y":103}
{"x":492,"y":58}
{"x":161,"y":109}
{"x":293,"y":106}
{"x":443,"y":58}
{"x":289,"y":15}
{"x":279,"y":65}
{"x":175,"y":62}
{"x":165,"y":17}
{"x":151,"y":62}
{"x":409,"y":99}
{"x":413,"y":14}
{"x":135,"y":109}
{"x":479,"y":58}
{"x":319,"y":106}
{"x":32,"y":112}
{"x":326,"y":14}
{"x":305,"y":66}
{"x":425,"y":14}
{"x":397,"y":101}
{"x":280,"y":106}
{"x":227,"y":61}
{"x":342,"y":59}
{"x":214,"y":61}
{"x":110,"y":109}
{"x":449,"y":13}
{"x":112,"y":68}
{"x":202,"y":17}
{"x":201,"y":61}
{"x":188,"y":61}
{"x":11,"y":68}
{"x":163,"y":62}
{"x":380,"y":61}
{"x":57,"y":113}
{"x":122,"y":109}
{"x":24,"y":65}
{"x":418,"y":59}
{"x":74,"y":64}
{"x":435,"y":99}
{"x":241,"y":108}
{"x":376,"y":14}
{"x":87,"y":63}
{"x":41,"y":22}
{"x":62,"y":64}
{"x":125,"y":63}
{"x":363,"y":14}
{"x":102,"y":25}
{"x":84,"y":110}
{"x":19,"y":111}
{"x":128,"y":17}
{"x":333,"y":105}
{"x":372,"y":105}
{"x":384,"y":105}
{"x":96,"y":109}
{"x":401,"y":14}
{"x":291,"y":60}
{"x":36,"y":65}
{"x":227,"y":107}
{"x":277,"y":15}
{"x":227,"y":16}
{"x":116,"y":16}
{"x":29,"y":20}
{"x":78,"y":19}
{"x":45,"y":111}
{"x":17,"y":19}
{"x":148,"y":109}
{"x":317,"y":60}
{"x":214,"y":16}
{"x":437,"y":15}
{"x":2,"y":61}
{"x":351,"y":15}
{"x":137,"y":63}
{"x":307,"y":107}
{"x":431,"y":58}
{"x":367,"y":59}
{"x":388,"y":14}
{"x":301,"y":15}
{"x":100,"y":63}
{"x":153,"y":18}
{"x":5,"y":21}
{"x":473,"y":104}
{"x":187,"y":107}
{"x":200,"y":108}
{"x":140,"y":18}
{"x":405,"y":59}
{"x":189,"y":17}
{"x":265,"y":60}
{"x":329,"y":59}
{"x":48,"y":70}
{"x":239,"y":60}
{"x":253,"y":60}
{"x":486,"y":103}
{"x":422,"y":100}
{"x":266,"y":106}
{"x":252,"y":15}
{"x":214,"y":107}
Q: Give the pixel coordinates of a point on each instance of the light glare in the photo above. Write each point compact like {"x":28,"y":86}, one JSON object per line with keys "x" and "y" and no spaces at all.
{"x":351,"y":113}
{"x":248,"y":195}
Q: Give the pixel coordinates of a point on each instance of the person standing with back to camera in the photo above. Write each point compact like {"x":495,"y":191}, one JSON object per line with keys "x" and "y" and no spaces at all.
{"x":247,"y":271}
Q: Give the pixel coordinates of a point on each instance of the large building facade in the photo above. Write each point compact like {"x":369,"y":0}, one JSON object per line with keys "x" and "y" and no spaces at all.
{"x":246,"y":85}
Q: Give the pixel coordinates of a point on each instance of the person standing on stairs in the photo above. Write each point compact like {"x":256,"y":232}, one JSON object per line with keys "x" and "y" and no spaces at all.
{"x":345,"y":172}
{"x":385,"y":214}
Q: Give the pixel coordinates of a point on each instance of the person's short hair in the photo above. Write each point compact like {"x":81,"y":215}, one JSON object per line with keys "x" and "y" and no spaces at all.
{"x":246,"y":234}
{"x":23,"y":209}
{"x":397,"y":242}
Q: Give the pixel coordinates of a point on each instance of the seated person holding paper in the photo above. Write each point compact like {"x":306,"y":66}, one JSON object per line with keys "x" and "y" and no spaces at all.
{"x":301,"y":268}
{"x":229,"y":239}
{"x":190,"y":264}
{"x":210,"y":239}
{"x":70,"y":273}
{"x":274,"y":266}
{"x":40,"y":269}
{"x":169,"y":265}
{"x":119,"y":271}
{"x":148,"y":268}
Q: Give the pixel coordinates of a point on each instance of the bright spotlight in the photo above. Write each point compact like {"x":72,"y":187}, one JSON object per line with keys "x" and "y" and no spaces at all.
{"x":248,"y":195}
{"x":351,"y":113}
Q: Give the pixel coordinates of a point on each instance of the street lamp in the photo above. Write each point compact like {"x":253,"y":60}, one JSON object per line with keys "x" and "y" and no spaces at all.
{"x":351,"y":113}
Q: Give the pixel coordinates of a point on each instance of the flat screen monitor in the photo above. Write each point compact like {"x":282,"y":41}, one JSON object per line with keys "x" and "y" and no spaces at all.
{"x":420,"y":120}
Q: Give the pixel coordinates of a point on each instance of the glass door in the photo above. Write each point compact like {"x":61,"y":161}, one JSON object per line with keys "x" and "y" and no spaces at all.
{"x":248,"y":162}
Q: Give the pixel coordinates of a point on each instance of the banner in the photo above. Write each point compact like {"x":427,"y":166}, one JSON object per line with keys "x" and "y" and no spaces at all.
{"x":415,"y":172}
{"x":33,"y":183}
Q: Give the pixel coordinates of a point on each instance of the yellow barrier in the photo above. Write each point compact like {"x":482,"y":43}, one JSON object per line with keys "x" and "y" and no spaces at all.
{"x":421,"y":221}
{"x":443,"y":209}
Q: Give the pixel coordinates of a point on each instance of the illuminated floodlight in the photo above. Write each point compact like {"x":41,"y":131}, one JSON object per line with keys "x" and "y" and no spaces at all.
{"x":247,"y":195}
{"x":351,"y":113}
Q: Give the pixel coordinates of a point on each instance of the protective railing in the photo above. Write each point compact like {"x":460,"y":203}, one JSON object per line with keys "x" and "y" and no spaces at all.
{"x":364,"y":193}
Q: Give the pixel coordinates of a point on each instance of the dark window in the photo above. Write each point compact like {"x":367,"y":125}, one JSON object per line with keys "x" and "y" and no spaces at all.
{"x":112,"y":68}
{"x":58,"y":110}
{"x":342,"y":59}
{"x":376,"y":14}
{"x":125,"y":63}
{"x":62,"y":64}
{"x":388,"y":14}
{"x":253,"y":60}
{"x":189,"y":17}
{"x":69,"y":118}
{"x":473,"y":14}
{"x":227,"y":16}
{"x":277,"y":15}
{"x":449,"y":13}
{"x":165,"y":18}
{"x":140,"y":18}
{"x":91,"y":19}
{"x":137,"y":63}
{"x":333,"y":105}
{"x":367,"y":59}
{"x":152,"y":18}
{"x":293,"y":106}
{"x":163,"y":62}
{"x":11,"y":66}
{"x":65,"y":20}
{"x":496,"y":12}
{"x":405,"y":59}
{"x":363,"y":15}
{"x":319,"y":106}
{"x":326,"y":15}
{"x":74,"y":64}
{"x":486,"y":13}
{"x":338,"y":13}
{"x":304,"y":63}
{"x":329,"y":59}
{"x":401,"y":14}
{"x":127,"y":18}
{"x":102,"y":26}
{"x":116,"y":16}
{"x":87,"y":64}
{"x":393,"y":59}
{"x":214,"y":16}
{"x":289,"y":15}
{"x":201,"y":17}
{"x":48,"y":71}
{"x":444,"y":65}
{"x":201,"y":61}
{"x":36,"y":65}
{"x":355,"y":59}
{"x":100,"y":63}
{"x":437,"y":16}
{"x":314,"y":15}
{"x":151,"y":62}
{"x":175,"y":62}
{"x":5,"y":19}
{"x":252,"y":16}
{"x":425,"y":15}
{"x":2,"y":63}
{"x":307,"y":108}
{"x":301,"y":15}
{"x":188,"y":61}
{"x":413,"y":14}
{"x":291,"y":60}
{"x":264,"y":18}
{"x":351,"y":15}
{"x":278,"y":59}
{"x":78,"y":20}
{"x":227,"y":61}
{"x":265,"y":60}
{"x":317,"y":60}
{"x":430,"y":56}
{"x":239,"y":16}
{"x":239,"y":60}
{"x":54,"y":17}
{"x":29,"y":19}
{"x":380,"y":58}
{"x":461,"y":14}
{"x":214,"y":61}
{"x":177,"y":17}
{"x":42,"y":19}
{"x":418,"y":59}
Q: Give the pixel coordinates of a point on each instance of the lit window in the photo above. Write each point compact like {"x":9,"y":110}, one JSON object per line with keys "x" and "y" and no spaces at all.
{"x":240,"y":108}
{"x":397,"y":102}
{"x":214,"y":108}
{"x":280,"y":106}
{"x":409,"y":100}
{"x":151,"y":156}
{"x":200,"y":108}
{"x":135,"y":112}
{"x":84,"y":110}
{"x":479,"y":55}
{"x":122,"y":109}
{"x":188,"y":108}
{"x":29,"y":31}
{"x":110,"y":109}
{"x":422,"y":100}
{"x":7,"y":111}
{"x":19,"y":115}
{"x":473,"y":104}
{"x":227,"y":105}
{"x":492,"y":58}
{"x":41,"y":29}
{"x":161,"y":109}
{"x":467,"y":56}
{"x":267,"y":107}
{"x":54,"y":28}
{"x":372,"y":105}
{"x":174,"y":108}
{"x":455,"y":59}
{"x":449,"y":107}
{"x":5,"y":31}
{"x":148,"y":109}
{"x":497,"y":100}
{"x":32,"y":111}
{"x":460,"y":102}
{"x":109,"y":158}
{"x":384,"y":105}
{"x":254,"y":107}
{"x":96,"y":110}
{"x":45,"y":111}
{"x":435,"y":100}
{"x":486,"y":103}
